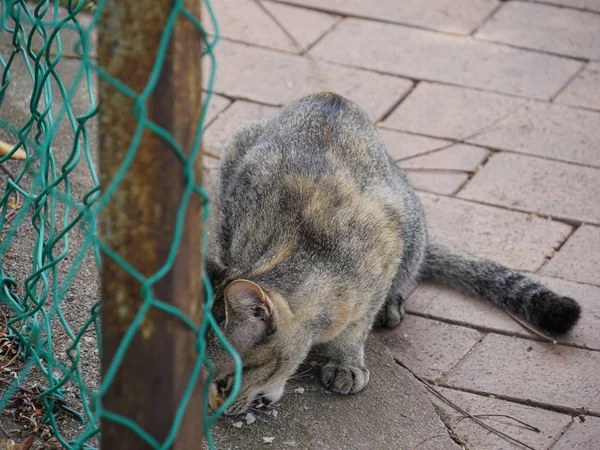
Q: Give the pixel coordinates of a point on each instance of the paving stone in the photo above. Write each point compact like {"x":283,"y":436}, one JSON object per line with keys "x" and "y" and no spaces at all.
{"x":501,"y":122}
{"x":549,"y":423}
{"x":580,"y":436}
{"x":579,"y":258}
{"x":540,"y":186}
{"x":456,"y":157}
{"x":450,"y":111}
{"x":517,"y":240}
{"x":222,"y":129}
{"x":245,"y":21}
{"x":592,"y":5}
{"x":530,"y":370}
{"x":545,"y":27}
{"x":403,"y":145}
{"x":227,"y":123}
{"x":444,"y":15}
{"x":446,"y":183}
{"x":270,"y":77}
{"x":585,"y":332}
{"x":548,"y":130}
{"x":217,"y":104}
{"x":428,"y":347}
{"x":304,"y":25}
{"x":583,"y":91}
{"x":440,"y":302}
{"x":427,"y":55}
{"x":315,"y":419}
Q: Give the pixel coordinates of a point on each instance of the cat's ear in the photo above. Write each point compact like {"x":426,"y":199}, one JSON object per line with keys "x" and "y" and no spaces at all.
{"x":245,"y":301}
{"x":250,"y":315}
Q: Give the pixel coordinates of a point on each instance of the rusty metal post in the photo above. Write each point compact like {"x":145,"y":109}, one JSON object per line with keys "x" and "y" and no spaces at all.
{"x":139,"y":222}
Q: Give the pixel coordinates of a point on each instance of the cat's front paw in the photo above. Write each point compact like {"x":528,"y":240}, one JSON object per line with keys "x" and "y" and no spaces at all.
{"x":344,"y":379}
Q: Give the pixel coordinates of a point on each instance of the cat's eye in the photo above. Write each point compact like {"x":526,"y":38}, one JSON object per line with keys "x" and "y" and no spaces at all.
{"x":224,"y":384}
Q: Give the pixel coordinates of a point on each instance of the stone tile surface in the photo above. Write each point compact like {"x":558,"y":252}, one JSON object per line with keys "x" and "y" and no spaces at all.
{"x":440,"y":302}
{"x":403,"y":145}
{"x":579,"y":258}
{"x":585,"y":332}
{"x":549,"y":423}
{"x":318,"y":420}
{"x":514,"y":239}
{"x":445,"y":183}
{"x":591,"y":5}
{"x":499,"y":121}
{"x":444,"y":15}
{"x":217,"y":104}
{"x":427,"y":55}
{"x":583,"y":90}
{"x":222,"y":129}
{"x":275,"y":78}
{"x":458,"y":157}
{"x":529,"y":370}
{"x":304,"y":25}
{"x":580,"y":436}
{"x":428,"y":347}
{"x":540,"y":186}
{"x":545,"y":27}
{"x":245,"y":21}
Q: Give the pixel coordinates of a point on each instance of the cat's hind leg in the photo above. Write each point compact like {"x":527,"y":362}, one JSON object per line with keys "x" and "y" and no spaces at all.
{"x":344,"y":371}
{"x":392,"y":312}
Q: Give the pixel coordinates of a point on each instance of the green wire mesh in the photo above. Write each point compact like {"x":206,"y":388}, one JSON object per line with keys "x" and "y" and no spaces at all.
{"x":42,"y":201}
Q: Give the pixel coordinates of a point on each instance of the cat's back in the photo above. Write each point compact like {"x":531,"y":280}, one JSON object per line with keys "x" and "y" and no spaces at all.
{"x":316,"y":175}
{"x":319,"y":134}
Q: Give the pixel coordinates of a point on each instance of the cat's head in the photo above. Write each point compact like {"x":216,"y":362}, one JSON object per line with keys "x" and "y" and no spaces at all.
{"x":259,"y":325}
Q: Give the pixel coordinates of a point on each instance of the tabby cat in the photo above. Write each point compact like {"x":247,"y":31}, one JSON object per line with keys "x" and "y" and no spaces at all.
{"x":319,"y":237}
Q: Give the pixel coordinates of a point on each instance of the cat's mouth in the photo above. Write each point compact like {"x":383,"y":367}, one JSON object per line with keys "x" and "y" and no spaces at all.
{"x":262,"y":401}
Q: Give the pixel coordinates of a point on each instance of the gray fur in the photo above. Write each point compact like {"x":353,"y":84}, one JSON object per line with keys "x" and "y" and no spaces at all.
{"x":315,"y":212}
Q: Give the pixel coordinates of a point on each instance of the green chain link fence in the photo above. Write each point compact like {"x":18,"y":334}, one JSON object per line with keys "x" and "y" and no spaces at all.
{"x":44,"y":352}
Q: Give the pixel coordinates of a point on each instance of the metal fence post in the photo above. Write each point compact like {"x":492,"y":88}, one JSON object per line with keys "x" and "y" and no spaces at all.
{"x":139,"y":221}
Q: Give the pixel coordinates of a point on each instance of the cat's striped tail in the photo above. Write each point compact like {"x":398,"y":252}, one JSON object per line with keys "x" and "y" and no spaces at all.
{"x":502,"y":286}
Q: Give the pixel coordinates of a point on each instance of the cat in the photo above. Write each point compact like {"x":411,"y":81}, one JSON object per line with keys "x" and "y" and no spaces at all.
{"x":319,"y":237}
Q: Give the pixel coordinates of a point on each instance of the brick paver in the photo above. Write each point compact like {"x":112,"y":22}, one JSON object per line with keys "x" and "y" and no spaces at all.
{"x":550,"y":423}
{"x":529,"y":370}
{"x":545,"y":187}
{"x":226,"y":124}
{"x":586,"y":332}
{"x":244,"y":20}
{"x":579,"y":258}
{"x":271,"y":77}
{"x":523,"y":131}
{"x":458,"y":157}
{"x":216,"y":105}
{"x":422,"y":345}
{"x":580,"y":435}
{"x":501,"y":122}
{"x":452,"y":59}
{"x":591,"y":5}
{"x":445,"y":183}
{"x":304,"y":25}
{"x":403,"y":145}
{"x":511,"y":238}
{"x":583,"y":90}
{"x":444,"y":15}
{"x":444,"y":303}
{"x":525,"y":24}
